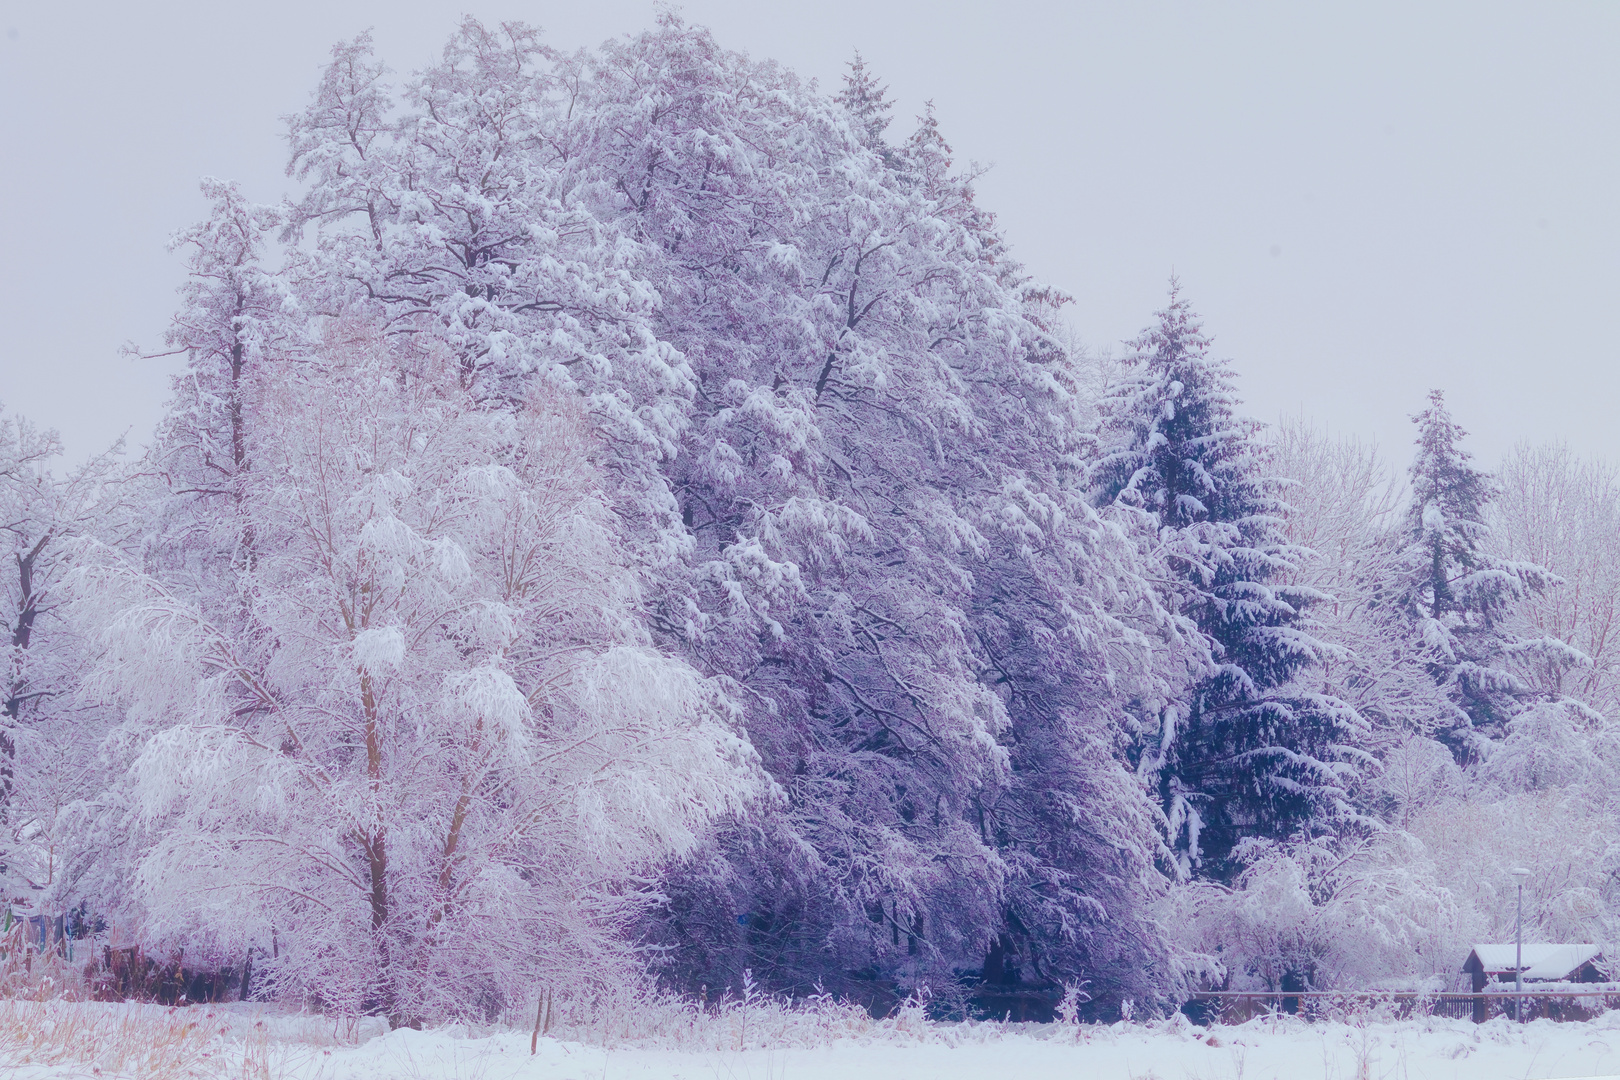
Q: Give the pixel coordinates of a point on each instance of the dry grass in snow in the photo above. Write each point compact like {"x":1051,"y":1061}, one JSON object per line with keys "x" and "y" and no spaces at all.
{"x":759,"y":1040}
{"x":60,"y":1039}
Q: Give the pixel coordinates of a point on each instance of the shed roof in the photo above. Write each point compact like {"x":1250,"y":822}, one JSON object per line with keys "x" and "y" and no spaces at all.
{"x":1542,"y":960}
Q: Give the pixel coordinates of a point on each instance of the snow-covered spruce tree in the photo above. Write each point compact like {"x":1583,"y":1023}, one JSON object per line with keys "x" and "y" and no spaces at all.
{"x":431,"y":755}
{"x":1347,"y":506}
{"x":1247,"y":754}
{"x":867,"y":102}
{"x":1457,"y":596}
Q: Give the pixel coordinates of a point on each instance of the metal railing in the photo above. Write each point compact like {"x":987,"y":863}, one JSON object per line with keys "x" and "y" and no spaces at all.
{"x":1236,"y":1006}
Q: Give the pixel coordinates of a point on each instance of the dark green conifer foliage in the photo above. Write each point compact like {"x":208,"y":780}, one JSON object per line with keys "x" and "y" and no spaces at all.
{"x":1249,"y":754}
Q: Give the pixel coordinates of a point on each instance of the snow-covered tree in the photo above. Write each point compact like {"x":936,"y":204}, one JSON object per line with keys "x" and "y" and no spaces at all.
{"x":237,"y":324}
{"x":893,"y":552}
{"x":867,"y":102}
{"x":431,"y":756}
{"x":47,"y":744}
{"x":1558,"y":511}
{"x":1345,"y":506}
{"x":1562,"y":835}
{"x":1327,"y":913}
{"x":452,"y":207}
{"x":30,"y":526}
{"x":1457,"y":595}
{"x":1413,"y":775}
{"x":231,"y":320}
{"x":1247,"y":754}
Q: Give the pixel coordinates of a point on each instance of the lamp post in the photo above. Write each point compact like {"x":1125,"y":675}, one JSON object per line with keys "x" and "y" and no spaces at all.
{"x":1518,"y":946}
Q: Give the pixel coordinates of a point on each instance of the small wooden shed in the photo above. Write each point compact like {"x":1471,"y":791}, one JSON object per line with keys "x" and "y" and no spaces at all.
{"x":1543,"y":962}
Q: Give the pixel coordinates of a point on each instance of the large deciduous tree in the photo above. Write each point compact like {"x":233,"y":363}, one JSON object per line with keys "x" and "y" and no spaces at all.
{"x":436,"y":747}
{"x":48,"y":741}
{"x":1556,"y":510}
{"x":894,"y":553}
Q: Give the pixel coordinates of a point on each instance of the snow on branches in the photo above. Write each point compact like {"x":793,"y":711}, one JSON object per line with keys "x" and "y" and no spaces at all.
{"x":436,"y":744}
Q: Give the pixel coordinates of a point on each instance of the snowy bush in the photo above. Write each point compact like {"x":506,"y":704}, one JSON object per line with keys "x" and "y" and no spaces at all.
{"x":1326,"y":915}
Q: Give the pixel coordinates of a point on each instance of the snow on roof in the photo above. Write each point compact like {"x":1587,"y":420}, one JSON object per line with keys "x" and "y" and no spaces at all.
{"x":1542,"y":960}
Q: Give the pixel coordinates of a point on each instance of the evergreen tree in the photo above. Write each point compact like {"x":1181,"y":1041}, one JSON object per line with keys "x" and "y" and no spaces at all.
{"x":1346,"y":508}
{"x":1457,"y":595}
{"x":1245,"y":754}
{"x":867,"y":102}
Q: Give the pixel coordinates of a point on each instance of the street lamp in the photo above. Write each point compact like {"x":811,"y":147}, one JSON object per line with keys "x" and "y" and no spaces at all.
{"x":1518,"y":945}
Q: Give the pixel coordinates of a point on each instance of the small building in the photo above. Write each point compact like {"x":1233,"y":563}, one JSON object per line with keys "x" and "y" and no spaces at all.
{"x":1543,"y":962}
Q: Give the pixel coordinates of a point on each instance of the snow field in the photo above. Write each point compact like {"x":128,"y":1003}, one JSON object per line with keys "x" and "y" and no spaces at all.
{"x":57,"y":1041}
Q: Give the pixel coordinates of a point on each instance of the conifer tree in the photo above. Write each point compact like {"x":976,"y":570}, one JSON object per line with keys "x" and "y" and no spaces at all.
{"x":1245,"y":755}
{"x":867,"y":102}
{"x":1457,"y":595}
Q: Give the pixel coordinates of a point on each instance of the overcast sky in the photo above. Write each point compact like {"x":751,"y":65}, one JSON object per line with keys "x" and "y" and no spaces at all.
{"x":1364,"y":200}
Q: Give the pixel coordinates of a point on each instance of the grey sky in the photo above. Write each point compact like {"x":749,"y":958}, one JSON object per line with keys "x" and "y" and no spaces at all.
{"x":1365,"y":200}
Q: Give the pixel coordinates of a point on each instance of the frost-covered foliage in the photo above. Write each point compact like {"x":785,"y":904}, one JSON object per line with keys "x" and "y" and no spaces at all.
{"x":1558,"y":511}
{"x":1415,"y":774}
{"x":1344,"y":506}
{"x":1322,"y":914}
{"x":934,"y":631}
{"x":1247,"y":753}
{"x":436,"y":744}
{"x":1560,"y":835}
{"x":1402,"y":905}
{"x":807,"y":460}
{"x":839,"y":432}
{"x":47,"y":739}
{"x":1534,"y":789}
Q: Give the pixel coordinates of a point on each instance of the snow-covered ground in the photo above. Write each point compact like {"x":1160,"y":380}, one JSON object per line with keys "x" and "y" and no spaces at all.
{"x":59,"y":1042}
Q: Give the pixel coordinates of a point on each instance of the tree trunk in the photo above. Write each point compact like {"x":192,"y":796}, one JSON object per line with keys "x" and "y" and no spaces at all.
{"x":22,"y":633}
{"x":374,"y":839}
